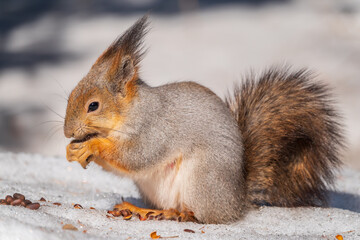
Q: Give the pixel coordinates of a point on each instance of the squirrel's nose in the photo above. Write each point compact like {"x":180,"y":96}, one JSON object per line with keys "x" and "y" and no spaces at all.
{"x":68,"y":132}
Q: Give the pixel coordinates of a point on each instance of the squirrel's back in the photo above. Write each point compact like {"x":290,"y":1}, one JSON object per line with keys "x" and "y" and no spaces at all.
{"x":291,"y":138}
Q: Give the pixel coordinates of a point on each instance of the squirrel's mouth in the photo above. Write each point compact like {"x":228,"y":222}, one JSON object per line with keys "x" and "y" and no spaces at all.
{"x":86,"y":138}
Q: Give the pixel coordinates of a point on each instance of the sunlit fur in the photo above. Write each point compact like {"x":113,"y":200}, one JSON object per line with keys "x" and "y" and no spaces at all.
{"x":275,"y":141}
{"x":292,"y":137}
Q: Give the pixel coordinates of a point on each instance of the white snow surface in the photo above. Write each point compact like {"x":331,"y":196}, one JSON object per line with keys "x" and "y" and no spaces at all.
{"x":57,"y":180}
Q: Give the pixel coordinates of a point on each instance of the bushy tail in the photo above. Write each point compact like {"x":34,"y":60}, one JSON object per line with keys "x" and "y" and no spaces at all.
{"x":291,"y":138}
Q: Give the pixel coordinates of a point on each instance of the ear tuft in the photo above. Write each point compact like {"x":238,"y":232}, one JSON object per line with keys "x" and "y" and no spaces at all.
{"x":130,"y":43}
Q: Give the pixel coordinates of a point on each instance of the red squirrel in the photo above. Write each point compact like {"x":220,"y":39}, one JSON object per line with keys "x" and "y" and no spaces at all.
{"x":194,"y":157}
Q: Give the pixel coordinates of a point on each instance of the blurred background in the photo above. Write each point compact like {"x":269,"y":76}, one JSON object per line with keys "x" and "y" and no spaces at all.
{"x":46,"y":47}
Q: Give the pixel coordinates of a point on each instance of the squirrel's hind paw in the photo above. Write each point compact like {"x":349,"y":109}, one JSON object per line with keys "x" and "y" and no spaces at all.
{"x":127,"y":210}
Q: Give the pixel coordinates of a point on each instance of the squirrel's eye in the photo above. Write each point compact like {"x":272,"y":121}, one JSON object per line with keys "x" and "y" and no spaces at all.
{"x":93,"y":106}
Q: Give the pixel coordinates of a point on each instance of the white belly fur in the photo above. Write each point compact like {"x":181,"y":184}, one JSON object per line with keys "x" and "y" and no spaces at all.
{"x":166,"y":187}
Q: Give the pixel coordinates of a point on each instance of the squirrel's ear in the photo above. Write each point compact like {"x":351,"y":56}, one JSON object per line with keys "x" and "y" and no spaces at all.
{"x":124,"y":55}
{"x":121,"y":74}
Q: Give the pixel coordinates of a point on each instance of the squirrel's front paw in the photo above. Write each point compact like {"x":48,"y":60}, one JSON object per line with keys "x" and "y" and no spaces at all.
{"x":80,"y":152}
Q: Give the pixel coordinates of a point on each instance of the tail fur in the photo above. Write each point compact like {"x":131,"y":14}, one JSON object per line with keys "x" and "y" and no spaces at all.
{"x":291,"y":138}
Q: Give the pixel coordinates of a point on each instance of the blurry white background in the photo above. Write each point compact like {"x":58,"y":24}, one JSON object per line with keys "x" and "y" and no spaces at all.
{"x":46,"y":47}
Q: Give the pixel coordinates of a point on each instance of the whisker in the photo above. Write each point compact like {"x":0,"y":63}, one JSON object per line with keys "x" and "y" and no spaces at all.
{"x":54,"y":127}
{"x":67,"y":94}
{"x":53,"y":111}
{"x":50,"y":121}
{"x":52,"y":132}
{"x":60,"y":96}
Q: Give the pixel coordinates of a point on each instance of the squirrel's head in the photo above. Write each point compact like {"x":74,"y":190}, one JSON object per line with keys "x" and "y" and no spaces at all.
{"x":99,"y":103}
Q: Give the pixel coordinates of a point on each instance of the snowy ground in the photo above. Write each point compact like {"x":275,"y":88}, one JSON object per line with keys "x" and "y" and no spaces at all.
{"x":67,"y":183}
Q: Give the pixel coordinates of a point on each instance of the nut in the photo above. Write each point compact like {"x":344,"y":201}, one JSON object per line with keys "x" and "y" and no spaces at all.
{"x":126,"y":212}
{"x":9,"y":199}
{"x":25,"y":203}
{"x":115,"y":212}
{"x":16,"y":202}
{"x":19,"y":196}
{"x":33,"y":206}
{"x":19,"y":200}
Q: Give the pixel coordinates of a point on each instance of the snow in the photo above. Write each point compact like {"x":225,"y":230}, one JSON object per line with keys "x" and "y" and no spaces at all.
{"x":57,"y":180}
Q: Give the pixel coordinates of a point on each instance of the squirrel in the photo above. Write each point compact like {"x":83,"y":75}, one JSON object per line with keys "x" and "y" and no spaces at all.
{"x":275,"y":141}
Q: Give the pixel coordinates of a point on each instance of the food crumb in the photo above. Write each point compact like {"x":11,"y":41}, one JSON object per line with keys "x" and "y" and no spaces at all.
{"x":69,"y":227}
{"x":339,"y":237}
{"x":78,"y":206}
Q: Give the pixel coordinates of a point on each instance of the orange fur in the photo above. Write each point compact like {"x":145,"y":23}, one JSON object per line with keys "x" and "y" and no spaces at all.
{"x":131,"y":88}
{"x":101,"y":151}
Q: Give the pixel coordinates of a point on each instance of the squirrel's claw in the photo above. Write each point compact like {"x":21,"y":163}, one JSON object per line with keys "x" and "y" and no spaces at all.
{"x":127,"y":210}
{"x":85,"y":163}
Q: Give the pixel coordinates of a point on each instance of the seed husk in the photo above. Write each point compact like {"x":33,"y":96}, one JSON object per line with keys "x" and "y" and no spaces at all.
{"x":9,"y":199}
{"x":33,"y":206}
{"x":42,"y":199}
{"x":16,"y":202}
{"x":78,"y":206}
{"x":153,"y":235}
{"x":57,"y":204}
{"x":25,"y":203}
{"x":339,"y":237}
{"x":189,"y":231}
{"x":18,"y":199}
{"x":127,"y":217}
{"x":115,"y":213}
{"x":19,"y":196}
{"x":141,"y":218}
{"x":69,"y":227}
{"x":126,"y":212}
